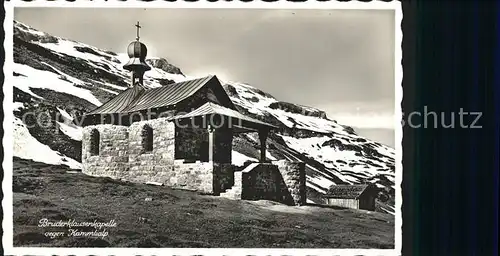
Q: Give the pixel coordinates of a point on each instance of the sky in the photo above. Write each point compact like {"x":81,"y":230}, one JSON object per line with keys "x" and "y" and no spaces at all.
{"x":340,"y":61}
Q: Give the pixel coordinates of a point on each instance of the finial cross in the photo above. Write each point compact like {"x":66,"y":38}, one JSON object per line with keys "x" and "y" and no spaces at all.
{"x":138,"y":27}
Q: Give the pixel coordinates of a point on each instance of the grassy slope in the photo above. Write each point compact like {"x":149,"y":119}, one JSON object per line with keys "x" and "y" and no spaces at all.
{"x":177,"y":218}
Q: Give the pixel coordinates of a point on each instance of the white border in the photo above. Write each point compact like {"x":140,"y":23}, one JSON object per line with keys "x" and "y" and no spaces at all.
{"x":8,"y":121}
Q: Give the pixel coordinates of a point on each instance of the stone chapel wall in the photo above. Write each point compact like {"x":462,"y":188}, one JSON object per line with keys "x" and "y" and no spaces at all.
{"x":191,"y":144}
{"x":112,"y":160}
{"x":142,"y":163}
{"x":194,"y":176}
{"x":122,"y":156}
{"x":159,"y":165}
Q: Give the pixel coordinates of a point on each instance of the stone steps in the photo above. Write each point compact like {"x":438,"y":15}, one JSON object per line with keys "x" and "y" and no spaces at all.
{"x":235,"y":191}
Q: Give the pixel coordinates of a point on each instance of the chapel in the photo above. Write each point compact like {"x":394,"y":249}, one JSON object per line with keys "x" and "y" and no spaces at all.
{"x":181,"y":135}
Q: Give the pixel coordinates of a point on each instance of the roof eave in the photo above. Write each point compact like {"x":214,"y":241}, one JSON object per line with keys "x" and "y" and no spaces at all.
{"x":338,"y":197}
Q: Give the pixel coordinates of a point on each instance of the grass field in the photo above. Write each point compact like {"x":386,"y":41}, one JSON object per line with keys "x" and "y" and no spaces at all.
{"x":154,"y":216}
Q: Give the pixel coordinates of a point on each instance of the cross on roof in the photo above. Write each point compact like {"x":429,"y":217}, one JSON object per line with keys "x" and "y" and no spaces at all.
{"x":138,"y":27}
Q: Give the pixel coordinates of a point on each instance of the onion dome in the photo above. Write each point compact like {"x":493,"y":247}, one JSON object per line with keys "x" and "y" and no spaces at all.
{"x":137,"y":49}
{"x":137,"y":52}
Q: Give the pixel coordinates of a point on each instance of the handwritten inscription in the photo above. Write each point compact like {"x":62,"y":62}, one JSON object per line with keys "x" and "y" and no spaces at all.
{"x":76,"y":228}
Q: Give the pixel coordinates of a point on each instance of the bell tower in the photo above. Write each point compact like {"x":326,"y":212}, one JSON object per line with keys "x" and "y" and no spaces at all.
{"x":137,"y":52}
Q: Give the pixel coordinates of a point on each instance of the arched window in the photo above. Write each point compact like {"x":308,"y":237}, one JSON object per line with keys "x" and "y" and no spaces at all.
{"x":94,"y":142}
{"x":147,"y":138}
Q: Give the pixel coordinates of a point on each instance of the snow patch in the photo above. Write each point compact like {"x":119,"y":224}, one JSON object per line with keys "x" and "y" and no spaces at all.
{"x":387,"y":210}
{"x":65,"y":114}
{"x":154,"y":183}
{"x":27,"y":147}
{"x":239,"y":159}
{"x":68,"y":47}
{"x":321,"y":181}
{"x":73,"y":131}
{"x":310,"y":185}
{"x":44,"y":79}
{"x":109,"y":91}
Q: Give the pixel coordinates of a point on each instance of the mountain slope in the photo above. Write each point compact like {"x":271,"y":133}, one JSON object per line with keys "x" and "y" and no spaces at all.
{"x":54,"y":77}
{"x":180,"y":218}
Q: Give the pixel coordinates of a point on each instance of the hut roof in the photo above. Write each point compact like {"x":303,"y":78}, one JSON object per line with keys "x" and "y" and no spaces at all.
{"x":346,"y":191}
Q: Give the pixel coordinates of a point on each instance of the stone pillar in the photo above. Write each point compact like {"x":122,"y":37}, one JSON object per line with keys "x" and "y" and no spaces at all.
{"x":263,"y":138}
{"x":210,"y":144}
{"x":294,"y":176}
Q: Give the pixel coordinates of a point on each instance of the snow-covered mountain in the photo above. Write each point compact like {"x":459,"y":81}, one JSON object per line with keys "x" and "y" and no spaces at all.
{"x":54,"y":77}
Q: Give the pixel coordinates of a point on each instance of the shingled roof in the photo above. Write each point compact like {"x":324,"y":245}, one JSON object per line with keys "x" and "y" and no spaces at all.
{"x":138,"y":98}
{"x":346,"y":191}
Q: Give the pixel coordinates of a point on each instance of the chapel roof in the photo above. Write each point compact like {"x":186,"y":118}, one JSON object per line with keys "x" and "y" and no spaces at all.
{"x":346,"y":191}
{"x":138,"y":98}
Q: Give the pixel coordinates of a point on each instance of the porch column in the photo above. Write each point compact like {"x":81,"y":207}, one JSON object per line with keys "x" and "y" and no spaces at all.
{"x":210,"y":143}
{"x":263,"y":138}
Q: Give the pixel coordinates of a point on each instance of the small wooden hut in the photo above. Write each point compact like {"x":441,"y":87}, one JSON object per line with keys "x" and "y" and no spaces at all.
{"x":352,"y":196}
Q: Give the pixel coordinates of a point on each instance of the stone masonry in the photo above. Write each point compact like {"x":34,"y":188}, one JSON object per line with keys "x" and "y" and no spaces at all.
{"x":283,"y":181}
{"x":112,"y":160}
{"x":143,"y":164}
{"x":294,"y":176}
{"x":121,"y":155}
